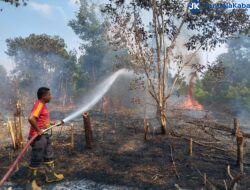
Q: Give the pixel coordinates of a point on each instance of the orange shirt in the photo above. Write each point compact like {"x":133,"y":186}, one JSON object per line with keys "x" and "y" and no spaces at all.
{"x":41,"y":113}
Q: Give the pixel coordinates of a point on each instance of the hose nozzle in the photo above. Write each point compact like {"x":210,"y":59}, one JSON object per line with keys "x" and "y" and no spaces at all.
{"x":62,"y":122}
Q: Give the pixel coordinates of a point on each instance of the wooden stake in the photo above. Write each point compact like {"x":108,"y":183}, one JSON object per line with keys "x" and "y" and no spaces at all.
{"x":240,"y":151}
{"x":12,"y":134}
{"x":236,"y":127}
{"x":205,"y":179}
{"x":146,"y":129}
{"x":18,"y":125}
{"x":88,"y":130}
{"x":20,"y":129}
{"x":72,"y":135}
{"x":16,"y":132}
{"x":190,"y":147}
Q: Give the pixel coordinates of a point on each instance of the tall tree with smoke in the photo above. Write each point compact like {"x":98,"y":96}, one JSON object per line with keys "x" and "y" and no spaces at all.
{"x":97,"y":56}
{"x":151,"y":30}
{"x":230,"y":86}
{"x":42,"y":60}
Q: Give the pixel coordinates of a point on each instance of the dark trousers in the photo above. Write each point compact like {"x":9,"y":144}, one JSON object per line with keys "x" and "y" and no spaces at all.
{"x":42,"y":151}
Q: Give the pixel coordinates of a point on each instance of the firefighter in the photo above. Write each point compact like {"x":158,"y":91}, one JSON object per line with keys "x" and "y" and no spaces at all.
{"x":42,"y":152}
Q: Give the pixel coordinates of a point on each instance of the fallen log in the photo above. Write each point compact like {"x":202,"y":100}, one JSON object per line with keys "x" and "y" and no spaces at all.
{"x":217,"y":126}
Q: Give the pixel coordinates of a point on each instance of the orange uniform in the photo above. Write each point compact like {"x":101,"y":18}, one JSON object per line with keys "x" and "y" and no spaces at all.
{"x":41,"y":112}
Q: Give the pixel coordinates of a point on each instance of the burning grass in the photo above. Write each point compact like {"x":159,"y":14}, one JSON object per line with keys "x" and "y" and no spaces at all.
{"x":189,"y":103}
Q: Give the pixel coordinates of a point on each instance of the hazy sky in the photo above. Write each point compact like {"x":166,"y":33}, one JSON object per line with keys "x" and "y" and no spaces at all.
{"x":45,"y":16}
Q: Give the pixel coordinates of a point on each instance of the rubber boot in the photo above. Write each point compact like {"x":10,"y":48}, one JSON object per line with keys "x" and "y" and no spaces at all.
{"x":51,"y":175}
{"x":33,"y":179}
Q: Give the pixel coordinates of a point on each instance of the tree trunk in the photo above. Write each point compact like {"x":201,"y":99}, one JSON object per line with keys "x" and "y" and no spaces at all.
{"x":163,"y":121}
{"x":161,"y":115}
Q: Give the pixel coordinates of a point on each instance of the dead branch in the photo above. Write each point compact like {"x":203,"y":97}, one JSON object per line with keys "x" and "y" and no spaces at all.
{"x":233,"y":184}
{"x":216,"y":126}
{"x":229,"y":172}
{"x":201,"y":144}
{"x":174,"y":165}
{"x":212,"y":147}
{"x":225,"y":185}
{"x":156,"y":176}
{"x":179,"y":188}
{"x":216,"y":156}
{"x":207,"y":181}
{"x":179,"y":72}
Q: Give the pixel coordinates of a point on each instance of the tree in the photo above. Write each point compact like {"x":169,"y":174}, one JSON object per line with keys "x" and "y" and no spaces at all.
{"x":16,"y":2}
{"x":92,"y":31}
{"x":228,"y":81}
{"x":42,"y":60}
{"x":66,"y":77}
{"x":152,"y":40}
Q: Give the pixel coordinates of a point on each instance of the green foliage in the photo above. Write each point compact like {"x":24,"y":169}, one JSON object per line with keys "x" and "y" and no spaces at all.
{"x":153,"y":41}
{"x":42,"y":60}
{"x":229,"y":85}
{"x":98,"y":57}
{"x":16,"y":2}
{"x":182,"y":86}
{"x":207,"y":28}
{"x":87,"y":25}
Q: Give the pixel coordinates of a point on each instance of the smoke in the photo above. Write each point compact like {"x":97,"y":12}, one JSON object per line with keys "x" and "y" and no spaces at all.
{"x":60,"y":71}
{"x":6,"y":93}
{"x":134,"y":95}
{"x":96,"y":94}
{"x":7,"y":63}
{"x":238,"y":110}
{"x":33,"y":69}
{"x":120,"y":96}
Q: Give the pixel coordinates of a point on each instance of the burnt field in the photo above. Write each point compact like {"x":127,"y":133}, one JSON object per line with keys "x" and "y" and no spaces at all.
{"x":122,"y":157}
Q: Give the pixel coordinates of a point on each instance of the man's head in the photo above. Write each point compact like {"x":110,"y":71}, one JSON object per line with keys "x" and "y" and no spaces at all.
{"x":43,"y":94}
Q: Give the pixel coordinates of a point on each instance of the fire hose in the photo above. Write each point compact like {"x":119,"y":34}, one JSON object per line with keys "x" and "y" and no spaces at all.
{"x":13,"y":166}
{"x":106,"y":84}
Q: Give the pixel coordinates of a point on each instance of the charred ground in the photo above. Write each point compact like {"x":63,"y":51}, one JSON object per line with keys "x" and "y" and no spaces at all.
{"x":121,"y":156}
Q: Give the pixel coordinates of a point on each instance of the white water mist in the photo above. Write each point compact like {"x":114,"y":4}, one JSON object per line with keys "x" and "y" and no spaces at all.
{"x":96,"y":94}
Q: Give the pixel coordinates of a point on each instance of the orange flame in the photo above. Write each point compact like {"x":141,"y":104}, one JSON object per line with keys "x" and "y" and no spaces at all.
{"x":189,"y":102}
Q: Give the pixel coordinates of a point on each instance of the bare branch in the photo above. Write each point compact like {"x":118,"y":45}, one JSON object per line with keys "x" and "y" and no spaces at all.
{"x":179,"y":72}
{"x":174,"y":165}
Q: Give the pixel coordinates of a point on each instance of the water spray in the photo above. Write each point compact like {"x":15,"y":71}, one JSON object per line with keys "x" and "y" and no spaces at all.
{"x":92,"y":98}
{"x":96,"y":94}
